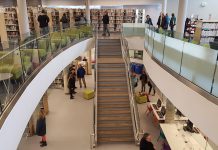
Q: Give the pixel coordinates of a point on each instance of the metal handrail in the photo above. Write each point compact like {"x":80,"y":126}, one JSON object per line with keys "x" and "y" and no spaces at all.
{"x":134,"y":109}
{"x":94,"y":134}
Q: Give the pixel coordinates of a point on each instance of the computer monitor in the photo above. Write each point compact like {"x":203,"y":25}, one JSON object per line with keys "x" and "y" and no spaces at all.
{"x":189,"y":127}
{"x":159,"y":103}
{"x":163,"y":110}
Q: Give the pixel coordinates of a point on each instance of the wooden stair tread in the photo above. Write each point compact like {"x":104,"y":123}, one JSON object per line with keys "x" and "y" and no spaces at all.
{"x":115,"y":132}
{"x":114,"y":118}
{"x":121,"y":111}
{"x":110,"y":60}
{"x":115,"y":139}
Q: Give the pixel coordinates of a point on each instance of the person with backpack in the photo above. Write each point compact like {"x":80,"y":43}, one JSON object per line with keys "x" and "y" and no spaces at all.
{"x":81,"y":76}
{"x":105,"y":24}
{"x":65,"y":21}
{"x":43,"y":20}
{"x":172,"y":24}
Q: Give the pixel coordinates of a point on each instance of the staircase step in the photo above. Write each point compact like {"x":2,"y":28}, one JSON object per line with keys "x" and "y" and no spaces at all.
{"x":114,"y":111}
{"x":115,"y":139}
{"x":112,"y":89}
{"x":106,"y":106}
{"x":111,"y":70}
{"x":112,"y":94}
{"x":114,"y":124}
{"x":114,"y":118}
{"x":105,"y":79}
{"x":114,"y":132}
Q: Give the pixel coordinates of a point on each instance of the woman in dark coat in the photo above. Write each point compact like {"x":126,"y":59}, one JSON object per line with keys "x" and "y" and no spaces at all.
{"x":41,"y":127}
{"x":145,"y":143}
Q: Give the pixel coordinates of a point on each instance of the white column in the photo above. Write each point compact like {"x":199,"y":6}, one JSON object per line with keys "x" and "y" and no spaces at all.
{"x":87,"y":3}
{"x":164,"y":6}
{"x":183,"y":4}
{"x":23,"y":19}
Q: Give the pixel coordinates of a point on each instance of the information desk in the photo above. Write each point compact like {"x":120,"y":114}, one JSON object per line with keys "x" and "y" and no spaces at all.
{"x":178,"y":139}
{"x":155,"y":113}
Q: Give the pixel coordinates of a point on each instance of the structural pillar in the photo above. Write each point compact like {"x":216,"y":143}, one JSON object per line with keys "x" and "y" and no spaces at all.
{"x":87,"y":4}
{"x":170,"y":112}
{"x":65,"y":77}
{"x":164,"y":6}
{"x":182,"y":12}
{"x":89,"y":62}
{"x":23,"y":19}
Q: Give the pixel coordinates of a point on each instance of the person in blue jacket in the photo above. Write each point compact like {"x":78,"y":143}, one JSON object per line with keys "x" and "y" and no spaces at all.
{"x":81,"y":76}
{"x":41,"y":127}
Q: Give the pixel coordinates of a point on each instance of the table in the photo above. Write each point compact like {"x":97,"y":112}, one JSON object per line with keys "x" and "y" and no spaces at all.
{"x":5,"y":76}
{"x":178,"y":139}
{"x":155,"y":113}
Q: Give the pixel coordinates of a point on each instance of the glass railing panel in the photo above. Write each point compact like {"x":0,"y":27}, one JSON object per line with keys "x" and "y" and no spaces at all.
{"x":198,"y":65}
{"x":151,"y":41}
{"x":215,"y":84}
{"x":159,"y":40}
{"x":146,"y":37}
{"x":29,"y":57}
{"x":173,"y":53}
{"x":128,"y":31}
{"x":11,"y":76}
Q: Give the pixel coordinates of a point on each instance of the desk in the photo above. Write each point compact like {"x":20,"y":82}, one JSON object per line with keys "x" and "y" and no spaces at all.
{"x":3,"y":77}
{"x":155,"y":113}
{"x":178,"y":139}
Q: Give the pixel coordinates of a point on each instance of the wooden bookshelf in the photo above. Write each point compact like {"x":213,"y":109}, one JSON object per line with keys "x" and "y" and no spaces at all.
{"x":206,"y":31}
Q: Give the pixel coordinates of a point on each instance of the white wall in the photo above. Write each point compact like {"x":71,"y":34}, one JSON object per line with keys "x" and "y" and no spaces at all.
{"x":15,"y":124}
{"x":195,"y":8}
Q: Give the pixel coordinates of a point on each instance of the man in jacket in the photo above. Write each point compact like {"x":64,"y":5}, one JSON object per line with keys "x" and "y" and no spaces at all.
{"x":81,"y":76}
{"x":105,"y":24}
{"x":65,"y":21}
{"x":144,"y":81}
{"x":172,"y":24}
{"x":71,"y":83}
{"x":145,"y":143}
{"x":43,"y":20}
{"x":148,"y":20}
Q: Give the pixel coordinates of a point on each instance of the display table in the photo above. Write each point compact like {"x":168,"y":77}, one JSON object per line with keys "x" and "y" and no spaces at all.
{"x":178,"y":139}
{"x":155,"y":113}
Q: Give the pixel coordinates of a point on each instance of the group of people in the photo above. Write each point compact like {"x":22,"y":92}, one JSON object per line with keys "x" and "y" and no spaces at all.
{"x":164,"y":22}
{"x":73,"y":74}
{"x":43,"y":20}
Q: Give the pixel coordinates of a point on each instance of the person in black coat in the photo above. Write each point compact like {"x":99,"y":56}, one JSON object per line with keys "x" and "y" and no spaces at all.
{"x":43,"y":20}
{"x":144,"y":81}
{"x":71,"y":83}
{"x":145,"y":143}
{"x":105,"y":24}
{"x":148,"y":20}
{"x":150,"y":87}
{"x":41,"y":127}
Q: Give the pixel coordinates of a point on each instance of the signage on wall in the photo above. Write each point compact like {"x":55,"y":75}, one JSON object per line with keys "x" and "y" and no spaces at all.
{"x":203,"y":4}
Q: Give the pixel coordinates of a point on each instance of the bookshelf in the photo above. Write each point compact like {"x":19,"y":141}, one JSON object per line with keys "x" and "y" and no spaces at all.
{"x":206,"y":31}
{"x":55,"y":19}
{"x":116,"y":17}
{"x":31,"y":20}
{"x":11,"y":24}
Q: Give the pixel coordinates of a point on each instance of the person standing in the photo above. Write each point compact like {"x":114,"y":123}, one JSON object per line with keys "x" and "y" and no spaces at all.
{"x":82,"y":19}
{"x":65,"y":21}
{"x":105,"y":24}
{"x":161,"y":21}
{"x":151,"y":87}
{"x":144,"y":81}
{"x":148,"y":20}
{"x":167,"y":21}
{"x":41,"y":127}
{"x":172,"y":24}
{"x":145,"y":143}
{"x":43,"y":20}
{"x":71,"y":83}
{"x":81,"y":76}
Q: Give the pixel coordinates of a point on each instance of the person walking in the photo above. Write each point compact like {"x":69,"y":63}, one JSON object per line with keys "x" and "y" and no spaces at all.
{"x":82,"y":19}
{"x":81,"y":76}
{"x":167,"y":21}
{"x":145,"y":143}
{"x":148,"y":20}
{"x":172,"y":24}
{"x":65,"y":21}
{"x":105,"y":24}
{"x":144,"y":81}
{"x":71,"y":83}
{"x":161,"y":22}
{"x":41,"y":127}
{"x":43,"y":20}
{"x":151,"y":87}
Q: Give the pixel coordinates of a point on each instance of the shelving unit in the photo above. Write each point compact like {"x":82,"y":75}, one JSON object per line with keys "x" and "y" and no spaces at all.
{"x":55,"y":20}
{"x":116,"y":17}
{"x":206,"y":31}
{"x":11,"y":24}
{"x":31,"y":20}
